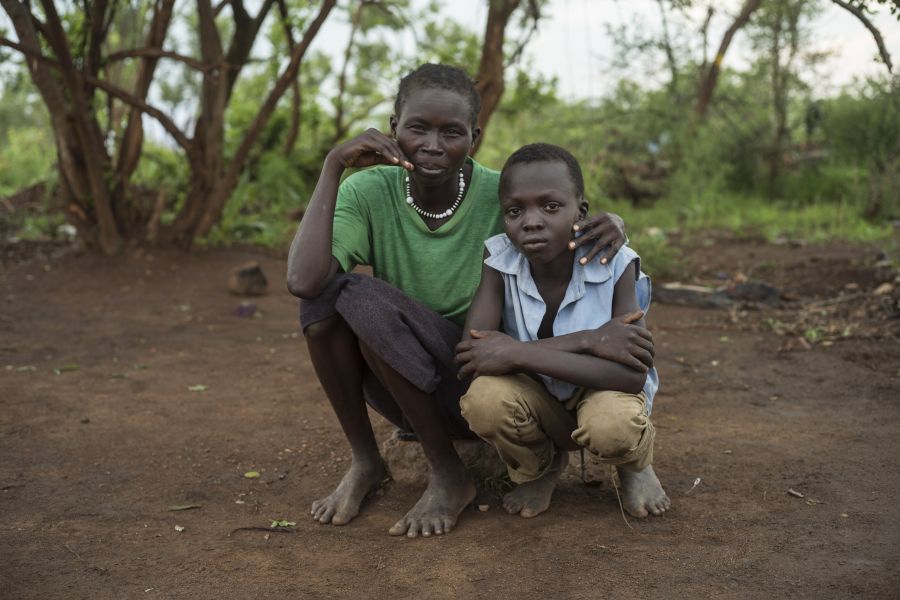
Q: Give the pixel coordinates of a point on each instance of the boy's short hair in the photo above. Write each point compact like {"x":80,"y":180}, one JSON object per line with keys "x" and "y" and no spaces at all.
{"x":545,"y":152}
{"x":443,"y":77}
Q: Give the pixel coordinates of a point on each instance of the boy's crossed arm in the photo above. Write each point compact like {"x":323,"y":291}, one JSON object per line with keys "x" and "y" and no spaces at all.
{"x":615,"y":356}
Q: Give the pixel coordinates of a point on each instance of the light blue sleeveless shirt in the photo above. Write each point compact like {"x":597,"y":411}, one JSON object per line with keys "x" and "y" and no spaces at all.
{"x":587,"y":303}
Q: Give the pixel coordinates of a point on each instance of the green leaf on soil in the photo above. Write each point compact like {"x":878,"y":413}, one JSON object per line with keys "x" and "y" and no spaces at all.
{"x":282,"y":523}
{"x":177,"y":507}
{"x":118,"y":376}
{"x":251,"y":475}
{"x":65,"y":369}
{"x":724,"y":339}
{"x":141,"y":367}
{"x":198,"y":388}
{"x":26,"y":369}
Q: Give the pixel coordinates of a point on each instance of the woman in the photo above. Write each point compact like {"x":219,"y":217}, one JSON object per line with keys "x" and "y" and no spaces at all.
{"x":419,"y":218}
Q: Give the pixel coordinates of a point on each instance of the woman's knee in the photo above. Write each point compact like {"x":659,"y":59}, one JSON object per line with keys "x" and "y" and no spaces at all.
{"x":324,"y":328}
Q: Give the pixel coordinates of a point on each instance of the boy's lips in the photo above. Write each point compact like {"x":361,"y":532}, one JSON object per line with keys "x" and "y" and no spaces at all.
{"x":534,"y":244}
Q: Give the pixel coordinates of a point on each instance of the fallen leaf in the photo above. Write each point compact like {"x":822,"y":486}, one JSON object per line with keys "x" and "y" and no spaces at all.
{"x":282,"y":523}
{"x":177,"y":507}
{"x":65,"y":369}
{"x":251,"y":475}
{"x":198,"y":388}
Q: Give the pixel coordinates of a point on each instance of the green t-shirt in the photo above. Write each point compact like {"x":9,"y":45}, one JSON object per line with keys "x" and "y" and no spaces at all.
{"x":373,"y":225}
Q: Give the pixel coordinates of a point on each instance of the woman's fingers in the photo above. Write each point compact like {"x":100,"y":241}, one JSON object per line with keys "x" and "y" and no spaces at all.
{"x":603,"y":233}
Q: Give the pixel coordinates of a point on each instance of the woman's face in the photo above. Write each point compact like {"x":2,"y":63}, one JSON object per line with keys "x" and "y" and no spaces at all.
{"x":435,"y":133}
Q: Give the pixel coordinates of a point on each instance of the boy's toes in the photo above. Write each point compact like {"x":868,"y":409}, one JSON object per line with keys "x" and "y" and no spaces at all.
{"x":637,"y":511}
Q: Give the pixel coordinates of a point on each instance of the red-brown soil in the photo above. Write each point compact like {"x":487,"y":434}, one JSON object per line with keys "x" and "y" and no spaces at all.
{"x":92,"y":458}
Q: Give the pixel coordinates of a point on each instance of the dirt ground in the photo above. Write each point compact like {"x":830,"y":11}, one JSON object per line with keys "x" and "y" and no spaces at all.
{"x":101,"y":433}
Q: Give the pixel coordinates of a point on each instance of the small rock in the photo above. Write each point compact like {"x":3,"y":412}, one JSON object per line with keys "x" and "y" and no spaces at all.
{"x":179,"y":528}
{"x":245,"y":310}
{"x":484,"y":507}
{"x":248,"y":280}
{"x":883,"y":289}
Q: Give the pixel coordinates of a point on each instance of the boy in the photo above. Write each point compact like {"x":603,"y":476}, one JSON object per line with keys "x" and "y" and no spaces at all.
{"x":542,"y":388}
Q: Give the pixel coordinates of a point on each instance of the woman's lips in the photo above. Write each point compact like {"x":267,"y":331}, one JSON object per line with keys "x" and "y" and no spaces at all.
{"x":430,"y":169}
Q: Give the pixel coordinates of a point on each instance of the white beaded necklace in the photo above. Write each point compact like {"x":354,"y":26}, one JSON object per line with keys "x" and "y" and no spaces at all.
{"x":447,"y":213}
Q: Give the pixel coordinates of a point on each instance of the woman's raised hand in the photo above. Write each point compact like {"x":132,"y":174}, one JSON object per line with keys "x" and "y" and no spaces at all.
{"x":371,"y":147}
{"x":605,"y":231}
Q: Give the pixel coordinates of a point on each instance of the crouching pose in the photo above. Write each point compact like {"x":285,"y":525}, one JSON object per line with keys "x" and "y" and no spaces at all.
{"x":418,"y":217}
{"x":574,"y":368}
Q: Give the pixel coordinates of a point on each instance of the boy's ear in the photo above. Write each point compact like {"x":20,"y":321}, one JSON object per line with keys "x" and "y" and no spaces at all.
{"x":393,"y":122}
{"x":582,"y":209}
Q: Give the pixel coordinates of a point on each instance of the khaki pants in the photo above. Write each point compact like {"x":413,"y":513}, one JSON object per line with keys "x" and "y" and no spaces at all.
{"x":527,"y":425}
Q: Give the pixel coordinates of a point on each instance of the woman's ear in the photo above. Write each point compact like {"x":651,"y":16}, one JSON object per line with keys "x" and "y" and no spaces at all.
{"x":476,"y":133}
{"x":393,"y":122}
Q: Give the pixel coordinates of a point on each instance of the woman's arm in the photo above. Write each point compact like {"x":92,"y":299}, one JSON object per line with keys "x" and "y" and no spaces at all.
{"x":310,"y":262}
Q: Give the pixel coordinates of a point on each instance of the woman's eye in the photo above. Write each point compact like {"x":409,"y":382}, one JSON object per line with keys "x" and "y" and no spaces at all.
{"x":416,"y":127}
{"x":512,"y":212}
{"x":453,"y":133}
{"x":551,"y":206}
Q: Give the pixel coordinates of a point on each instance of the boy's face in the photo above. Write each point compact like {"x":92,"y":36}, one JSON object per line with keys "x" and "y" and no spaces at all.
{"x":540,"y":204}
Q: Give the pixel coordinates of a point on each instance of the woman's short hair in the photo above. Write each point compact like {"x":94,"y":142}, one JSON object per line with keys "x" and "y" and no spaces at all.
{"x":443,"y":77}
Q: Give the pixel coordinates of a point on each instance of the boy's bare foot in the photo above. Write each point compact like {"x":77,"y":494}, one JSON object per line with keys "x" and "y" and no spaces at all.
{"x":343,"y":504}
{"x":531,"y":498}
{"x":437,"y":510}
{"x":642,"y":493}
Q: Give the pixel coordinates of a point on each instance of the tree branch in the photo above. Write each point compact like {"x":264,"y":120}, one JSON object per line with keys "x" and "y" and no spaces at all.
{"x":132,"y":100}
{"x":859,"y":14}
{"x":160,"y":53}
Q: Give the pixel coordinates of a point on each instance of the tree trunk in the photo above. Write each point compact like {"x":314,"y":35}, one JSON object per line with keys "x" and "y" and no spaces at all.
{"x":489,"y":81}
{"x":708,"y":83}
{"x":131,"y":142}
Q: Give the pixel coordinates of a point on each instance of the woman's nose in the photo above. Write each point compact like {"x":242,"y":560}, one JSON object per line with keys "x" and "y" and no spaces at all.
{"x":431,"y":142}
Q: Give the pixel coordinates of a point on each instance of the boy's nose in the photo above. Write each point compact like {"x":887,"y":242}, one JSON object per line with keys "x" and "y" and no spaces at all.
{"x":533,"y":223}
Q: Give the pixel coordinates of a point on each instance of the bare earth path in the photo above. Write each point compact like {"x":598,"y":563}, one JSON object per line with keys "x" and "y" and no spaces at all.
{"x":92,"y":458}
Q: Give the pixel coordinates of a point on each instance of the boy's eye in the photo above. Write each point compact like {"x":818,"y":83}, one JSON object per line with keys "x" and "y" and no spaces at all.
{"x":551,"y":206}
{"x":513,"y":212}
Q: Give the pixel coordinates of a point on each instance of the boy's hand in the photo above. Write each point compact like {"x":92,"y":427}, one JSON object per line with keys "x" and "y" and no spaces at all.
{"x":622,"y":341}
{"x":606,"y":231}
{"x":486,"y":353}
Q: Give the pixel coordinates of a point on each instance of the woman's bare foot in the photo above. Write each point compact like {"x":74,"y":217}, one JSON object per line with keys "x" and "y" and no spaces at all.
{"x":343,"y":504}
{"x":531,"y":498}
{"x":437,"y":510}
{"x":642,"y":493}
